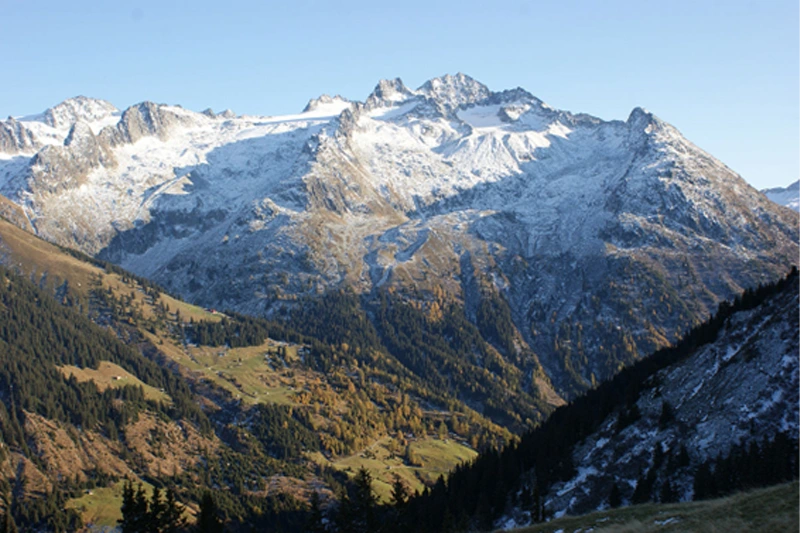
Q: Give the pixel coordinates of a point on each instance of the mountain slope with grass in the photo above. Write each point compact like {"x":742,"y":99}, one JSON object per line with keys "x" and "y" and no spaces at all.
{"x":106,"y":377}
{"x":758,"y":511}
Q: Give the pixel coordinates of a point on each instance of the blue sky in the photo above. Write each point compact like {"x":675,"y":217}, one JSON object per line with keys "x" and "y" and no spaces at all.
{"x":724,"y":73}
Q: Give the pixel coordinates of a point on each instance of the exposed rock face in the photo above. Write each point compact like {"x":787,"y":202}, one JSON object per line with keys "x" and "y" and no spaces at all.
{"x":80,"y":108}
{"x":16,"y":138}
{"x":741,"y":388}
{"x":144,"y":120}
{"x":605,"y":239}
{"x":455,"y":91}
{"x":55,"y":168}
{"x":317,"y":103}
{"x":388,"y":92}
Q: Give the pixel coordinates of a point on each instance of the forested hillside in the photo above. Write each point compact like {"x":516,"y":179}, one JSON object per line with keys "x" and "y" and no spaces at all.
{"x":106,"y":377}
{"x":525,"y":481}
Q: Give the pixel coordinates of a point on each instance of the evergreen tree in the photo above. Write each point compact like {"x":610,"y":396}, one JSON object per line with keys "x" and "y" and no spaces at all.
{"x":364,"y":502}
{"x":400,"y":492}
{"x":8,"y":525}
{"x":135,"y":516}
{"x":208,"y":520}
{"x":644,"y":486}
{"x":667,"y":415}
{"x":537,"y":507}
{"x":345,"y":514}
{"x":171,"y":519}
{"x":614,"y":498}
{"x":316,"y":522}
{"x":398,"y":498}
{"x":155,"y":513}
{"x":668,"y":493}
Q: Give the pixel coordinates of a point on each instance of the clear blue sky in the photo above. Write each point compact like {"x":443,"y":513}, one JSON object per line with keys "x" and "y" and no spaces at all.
{"x":724,"y":73}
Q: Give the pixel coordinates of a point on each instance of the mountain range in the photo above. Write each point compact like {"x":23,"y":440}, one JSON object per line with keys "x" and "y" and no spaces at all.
{"x":575,"y":244}
{"x":394,"y":283}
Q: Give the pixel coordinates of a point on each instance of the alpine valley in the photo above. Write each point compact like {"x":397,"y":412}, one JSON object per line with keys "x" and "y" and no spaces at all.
{"x":403,"y":281}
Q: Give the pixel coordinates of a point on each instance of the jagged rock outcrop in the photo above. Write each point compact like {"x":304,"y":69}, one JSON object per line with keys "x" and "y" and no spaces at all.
{"x":324,"y":100}
{"x":16,"y":138}
{"x":455,"y":91}
{"x":144,"y":120}
{"x":80,"y":108}
{"x":56,"y":168}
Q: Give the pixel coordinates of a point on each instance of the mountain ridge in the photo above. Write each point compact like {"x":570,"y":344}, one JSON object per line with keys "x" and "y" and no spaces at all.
{"x":788,"y":196}
{"x":449,"y":186}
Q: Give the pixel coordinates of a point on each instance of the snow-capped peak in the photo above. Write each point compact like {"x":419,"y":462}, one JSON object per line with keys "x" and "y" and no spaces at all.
{"x":327,"y":102}
{"x":640,"y":118}
{"x":388,"y":93}
{"x":78,"y":108}
{"x":455,"y":91}
{"x":514,"y":96}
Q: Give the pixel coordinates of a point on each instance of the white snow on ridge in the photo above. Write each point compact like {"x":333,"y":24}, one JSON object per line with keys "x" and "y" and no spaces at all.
{"x":482,"y":116}
{"x":111,"y":120}
{"x":391,"y":112}
{"x":450,"y":147}
{"x":321,"y":114}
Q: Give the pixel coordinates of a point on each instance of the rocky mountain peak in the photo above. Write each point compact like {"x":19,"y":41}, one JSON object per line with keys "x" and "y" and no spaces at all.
{"x":56,"y":168}
{"x":316,"y":103}
{"x":455,"y":91}
{"x":78,"y":108}
{"x":149,"y":119}
{"x":388,"y":92}
{"x":640,"y":118}
{"x":15,"y":137}
{"x":512,"y":96}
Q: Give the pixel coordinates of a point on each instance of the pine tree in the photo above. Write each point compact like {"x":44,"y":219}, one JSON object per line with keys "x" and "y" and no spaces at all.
{"x":155,"y":513}
{"x":668,"y":493}
{"x":536,"y":505}
{"x":398,"y":499}
{"x":345,"y":514}
{"x":364,"y":502}
{"x":400,"y":493}
{"x":171,"y":519}
{"x":614,"y":498}
{"x":315,"y":523}
{"x":667,"y":415}
{"x":8,"y":525}
{"x":134,"y":509}
{"x":703,"y":482}
{"x":208,"y":520}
